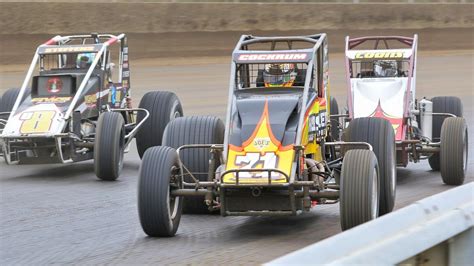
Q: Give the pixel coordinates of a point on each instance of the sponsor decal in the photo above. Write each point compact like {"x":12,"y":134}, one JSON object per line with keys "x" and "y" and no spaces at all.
{"x":261,"y":143}
{"x":275,"y":57}
{"x":115,"y":95}
{"x":379,"y":55}
{"x":68,"y":49}
{"x":126,"y":74}
{"x":55,"y":85}
{"x":51,"y":99}
{"x":90,"y":100}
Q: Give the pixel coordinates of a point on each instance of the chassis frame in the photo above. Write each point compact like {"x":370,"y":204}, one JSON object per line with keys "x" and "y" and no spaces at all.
{"x":306,"y":189}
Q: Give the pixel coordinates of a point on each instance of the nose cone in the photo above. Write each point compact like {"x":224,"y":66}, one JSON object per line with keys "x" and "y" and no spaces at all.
{"x":36,"y":120}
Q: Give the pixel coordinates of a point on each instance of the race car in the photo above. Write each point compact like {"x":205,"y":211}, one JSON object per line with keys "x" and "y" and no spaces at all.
{"x":274,"y":156}
{"x":75,"y":105}
{"x":381,"y":82}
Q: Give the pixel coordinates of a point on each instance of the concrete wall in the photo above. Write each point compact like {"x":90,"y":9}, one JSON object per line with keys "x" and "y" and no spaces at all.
{"x":54,"y":17}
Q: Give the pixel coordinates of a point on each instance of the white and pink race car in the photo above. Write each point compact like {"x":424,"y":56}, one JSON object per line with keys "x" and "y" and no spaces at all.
{"x":381,"y":82}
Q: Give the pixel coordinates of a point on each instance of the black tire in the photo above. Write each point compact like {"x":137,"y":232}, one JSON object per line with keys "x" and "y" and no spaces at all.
{"x":442,"y":104}
{"x":109,"y":146}
{"x":359,"y":182}
{"x":8,"y":99}
{"x":454,"y":150}
{"x":379,"y":133}
{"x":334,"y":110}
{"x":163,"y":106}
{"x":194,"y":130}
{"x":159,"y":213}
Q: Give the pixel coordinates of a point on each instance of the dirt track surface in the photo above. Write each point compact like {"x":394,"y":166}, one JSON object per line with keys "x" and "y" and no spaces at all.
{"x":63,"y":214}
{"x":19,"y":48}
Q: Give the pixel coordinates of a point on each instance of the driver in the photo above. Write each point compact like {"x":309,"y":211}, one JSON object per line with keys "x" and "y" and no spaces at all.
{"x":279,"y":75}
{"x":84,"y":60}
{"x":385,"y":68}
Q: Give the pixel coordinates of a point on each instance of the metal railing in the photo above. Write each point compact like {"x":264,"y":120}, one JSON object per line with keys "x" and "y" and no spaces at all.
{"x":437,"y":229}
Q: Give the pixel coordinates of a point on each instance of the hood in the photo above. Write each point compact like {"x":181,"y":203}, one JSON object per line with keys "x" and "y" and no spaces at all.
{"x":262,"y":136}
{"x":42,"y":119}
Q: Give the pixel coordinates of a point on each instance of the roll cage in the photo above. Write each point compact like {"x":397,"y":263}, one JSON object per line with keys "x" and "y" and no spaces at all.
{"x":383,"y":45}
{"x":87,"y":43}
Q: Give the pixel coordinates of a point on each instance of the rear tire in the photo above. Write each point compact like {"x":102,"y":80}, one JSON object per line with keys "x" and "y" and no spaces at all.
{"x":195,"y":130}
{"x":454,"y":150}
{"x":334,"y":110}
{"x":359,"y":201}
{"x":442,"y":104}
{"x":109,"y":146}
{"x":163,"y":106}
{"x":379,"y":133}
{"x":8,"y":99}
{"x":159,"y":212}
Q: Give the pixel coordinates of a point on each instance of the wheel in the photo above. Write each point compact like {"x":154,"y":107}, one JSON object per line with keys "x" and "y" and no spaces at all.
{"x":195,"y":130}
{"x":453,"y":151}
{"x":7,"y":101}
{"x":359,"y":198}
{"x":159,"y":212}
{"x":442,"y":104}
{"x":163,"y":106}
{"x":379,"y":133}
{"x":109,"y":146}
{"x":334,"y":110}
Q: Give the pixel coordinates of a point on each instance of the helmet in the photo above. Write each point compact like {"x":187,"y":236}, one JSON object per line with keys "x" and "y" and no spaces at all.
{"x":385,"y":68}
{"x":84,"y":60}
{"x":279,"y":75}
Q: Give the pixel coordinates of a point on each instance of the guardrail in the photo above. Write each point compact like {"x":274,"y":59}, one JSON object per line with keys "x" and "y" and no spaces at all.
{"x":437,"y":229}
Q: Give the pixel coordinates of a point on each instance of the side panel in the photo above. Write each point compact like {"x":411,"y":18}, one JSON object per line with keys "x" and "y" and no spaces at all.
{"x":315,"y":128}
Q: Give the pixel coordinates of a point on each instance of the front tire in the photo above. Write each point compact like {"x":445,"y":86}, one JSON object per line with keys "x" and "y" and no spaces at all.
{"x":442,"y":104}
{"x":454,"y":150}
{"x":109,"y":146}
{"x":159,"y":212}
{"x":163,"y":107}
{"x":195,"y":130}
{"x":359,"y":201}
{"x":379,"y":133}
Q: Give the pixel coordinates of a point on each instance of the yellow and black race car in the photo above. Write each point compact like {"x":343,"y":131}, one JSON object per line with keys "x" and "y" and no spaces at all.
{"x":276,"y":155}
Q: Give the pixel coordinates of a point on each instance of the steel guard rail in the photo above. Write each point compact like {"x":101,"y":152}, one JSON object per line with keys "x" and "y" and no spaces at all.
{"x":444,"y":220}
